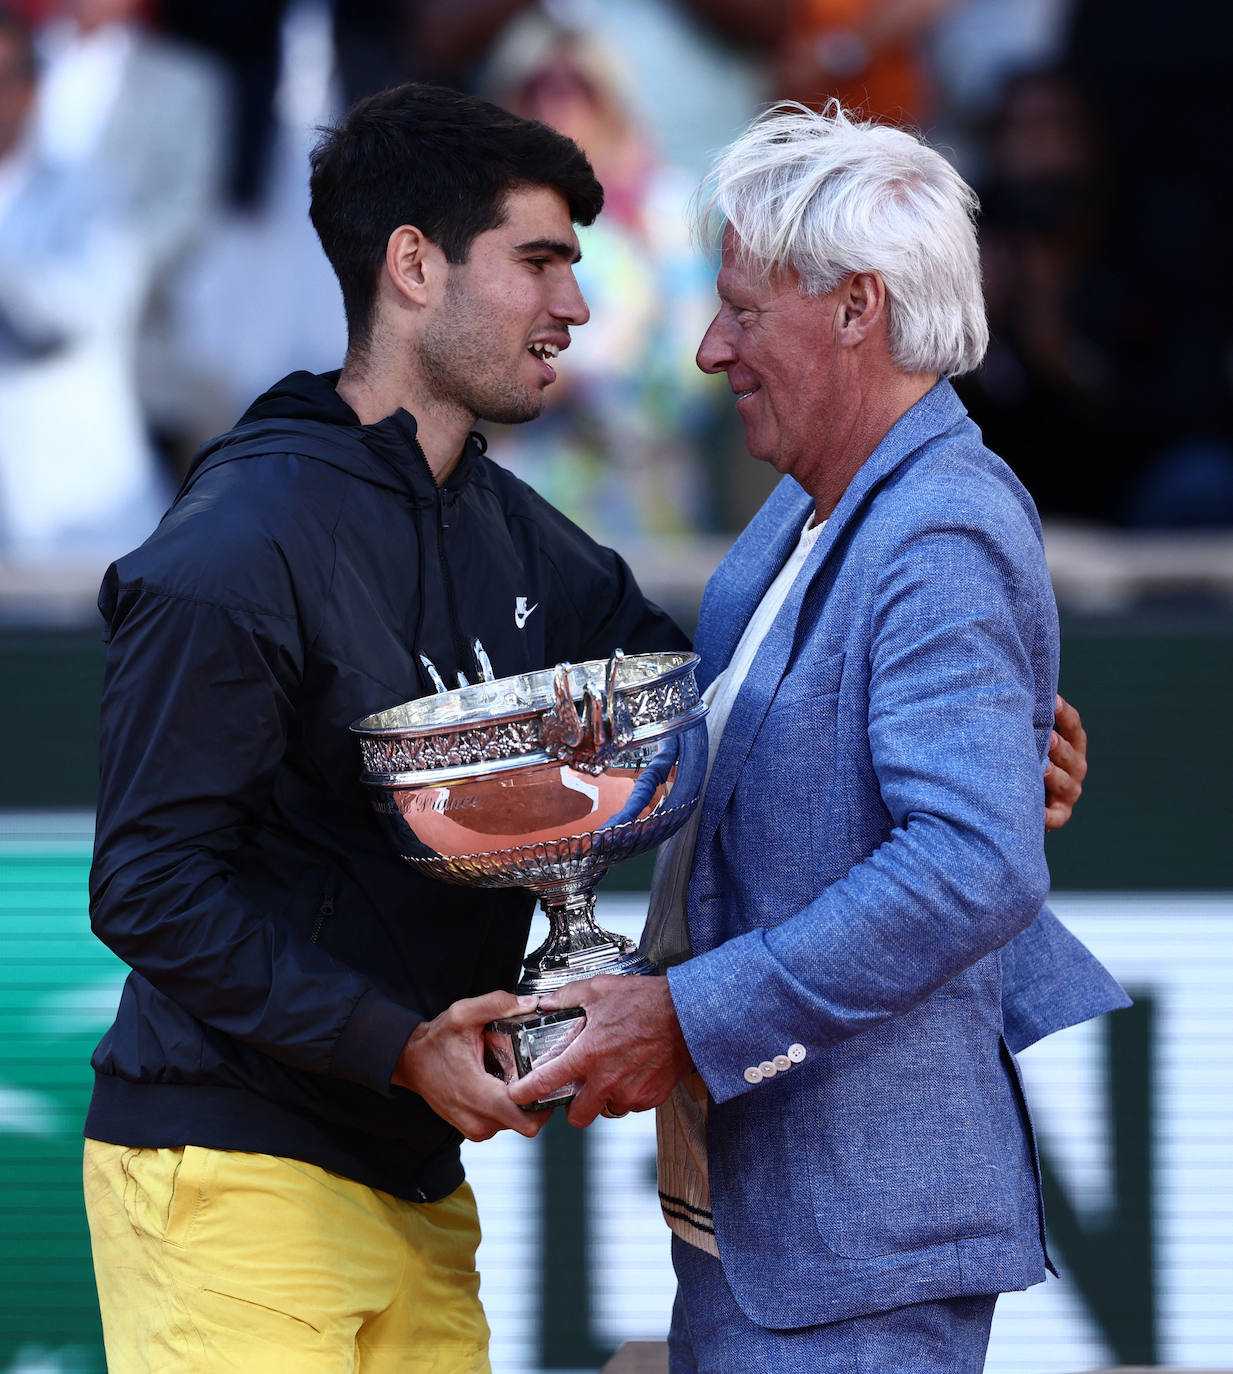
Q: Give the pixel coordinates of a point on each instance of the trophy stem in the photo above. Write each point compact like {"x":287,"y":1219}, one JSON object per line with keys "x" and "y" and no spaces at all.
{"x":576,"y":947}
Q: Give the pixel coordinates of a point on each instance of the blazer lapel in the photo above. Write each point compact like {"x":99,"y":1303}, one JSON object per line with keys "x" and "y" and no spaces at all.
{"x":748,"y":568}
{"x":741,"y":580}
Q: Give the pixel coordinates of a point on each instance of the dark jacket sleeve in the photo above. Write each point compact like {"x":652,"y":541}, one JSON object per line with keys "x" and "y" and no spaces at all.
{"x":198,"y":701}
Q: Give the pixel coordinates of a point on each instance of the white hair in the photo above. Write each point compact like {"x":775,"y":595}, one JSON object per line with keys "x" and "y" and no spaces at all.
{"x":823,"y":195}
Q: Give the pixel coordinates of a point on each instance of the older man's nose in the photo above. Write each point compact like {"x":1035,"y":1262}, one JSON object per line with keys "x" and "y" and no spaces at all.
{"x":714,"y":353}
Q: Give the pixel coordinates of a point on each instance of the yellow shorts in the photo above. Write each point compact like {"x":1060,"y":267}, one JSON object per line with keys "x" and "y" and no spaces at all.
{"x":209,"y":1260}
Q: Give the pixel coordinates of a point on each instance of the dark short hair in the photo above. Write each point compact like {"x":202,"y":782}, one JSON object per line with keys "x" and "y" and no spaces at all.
{"x":437,"y":159}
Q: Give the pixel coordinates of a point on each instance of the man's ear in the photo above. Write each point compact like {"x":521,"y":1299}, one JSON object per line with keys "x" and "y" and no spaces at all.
{"x":412,"y":263}
{"x":862,"y":306}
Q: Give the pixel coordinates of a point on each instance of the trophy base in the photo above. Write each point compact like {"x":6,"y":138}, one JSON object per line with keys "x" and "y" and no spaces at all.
{"x":514,"y":1045}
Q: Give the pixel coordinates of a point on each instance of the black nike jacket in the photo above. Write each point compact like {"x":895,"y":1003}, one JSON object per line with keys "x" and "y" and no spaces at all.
{"x":281,"y":951}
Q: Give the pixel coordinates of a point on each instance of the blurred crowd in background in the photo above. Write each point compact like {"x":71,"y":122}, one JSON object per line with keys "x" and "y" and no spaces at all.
{"x":157,"y":268}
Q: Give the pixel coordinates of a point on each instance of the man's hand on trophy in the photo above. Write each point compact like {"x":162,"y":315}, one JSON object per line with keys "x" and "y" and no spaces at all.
{"x":443,"y":1061}
{"x":1067,"y":766}
{"x":629,"y":1056}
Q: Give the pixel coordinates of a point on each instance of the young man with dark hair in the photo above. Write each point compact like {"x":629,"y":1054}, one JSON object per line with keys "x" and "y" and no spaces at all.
{"x":272,"y":1159}
{"x":437,"y":159}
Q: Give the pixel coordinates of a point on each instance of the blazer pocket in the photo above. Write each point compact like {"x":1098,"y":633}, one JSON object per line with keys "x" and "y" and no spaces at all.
{"x":812,"y":681}
{"x":908,"y":1146}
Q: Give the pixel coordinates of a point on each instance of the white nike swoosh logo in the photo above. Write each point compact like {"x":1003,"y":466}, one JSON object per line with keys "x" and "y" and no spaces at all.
{"x":521,"y":615}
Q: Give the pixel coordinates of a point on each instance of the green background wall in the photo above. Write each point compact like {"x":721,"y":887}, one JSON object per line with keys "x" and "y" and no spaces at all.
{"x":1154,"y":690}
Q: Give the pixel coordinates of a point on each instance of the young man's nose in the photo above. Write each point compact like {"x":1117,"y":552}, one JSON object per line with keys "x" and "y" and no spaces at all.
{"x":571,"y":306}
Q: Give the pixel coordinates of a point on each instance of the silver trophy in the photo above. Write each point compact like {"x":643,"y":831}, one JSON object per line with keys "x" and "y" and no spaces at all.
{"x":543,"y":781}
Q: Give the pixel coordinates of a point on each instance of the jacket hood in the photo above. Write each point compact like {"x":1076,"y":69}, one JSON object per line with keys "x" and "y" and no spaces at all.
{"x":304,"y":414}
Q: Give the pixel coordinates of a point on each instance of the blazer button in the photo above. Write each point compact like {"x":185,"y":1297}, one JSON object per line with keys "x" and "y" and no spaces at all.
{"x":768,"y":1069}
{"x":796,"y":1053}
{"x":781,"y":1062}
{"x":753,"y":1074}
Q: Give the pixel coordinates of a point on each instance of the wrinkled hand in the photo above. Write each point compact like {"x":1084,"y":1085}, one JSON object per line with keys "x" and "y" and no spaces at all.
{"x":629,"y":1055}
{"x":443,"y":1061}
{"x":1067,"y":766}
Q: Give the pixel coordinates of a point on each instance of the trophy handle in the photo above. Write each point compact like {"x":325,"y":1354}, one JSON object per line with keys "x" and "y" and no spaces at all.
{"x":438,"y":682}
{"x":483,"y":666}
{"x":586,"y":742}
{"x":617,"y":714}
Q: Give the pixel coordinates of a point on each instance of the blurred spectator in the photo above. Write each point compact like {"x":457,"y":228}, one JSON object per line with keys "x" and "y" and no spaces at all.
{"x":871,"y":55}
{"x":259,"y":297}
{"x":1050,"y":396}
{"x":77,"y":477}
{"x":148,"y":116}
{"x":370,"y":50}
{"x":975,"y":47}
{"x":1107,"y":404}
{"x":1155,"y":78}
{"x":244,"y":36}
{"x":693,"y":69}
{"x":620,"y":445}
{"x":868,"y":54}
{"x":447,"y":42}
{"x":374,"y":44}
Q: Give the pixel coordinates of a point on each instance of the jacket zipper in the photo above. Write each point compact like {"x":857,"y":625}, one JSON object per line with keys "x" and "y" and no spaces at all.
{"x":461,"y":650}
{"x":324,"y":912}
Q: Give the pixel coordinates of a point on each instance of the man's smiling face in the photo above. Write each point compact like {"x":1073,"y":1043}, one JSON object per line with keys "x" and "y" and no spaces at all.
{"x":778,"y":348}
{"x":507,"y":312}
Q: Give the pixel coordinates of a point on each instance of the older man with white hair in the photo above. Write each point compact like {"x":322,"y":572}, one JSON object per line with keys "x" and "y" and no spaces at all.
{"x":852,"y":926}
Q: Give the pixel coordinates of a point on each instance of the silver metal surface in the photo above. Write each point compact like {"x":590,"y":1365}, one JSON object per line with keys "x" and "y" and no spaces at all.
{"x":542,"y":781}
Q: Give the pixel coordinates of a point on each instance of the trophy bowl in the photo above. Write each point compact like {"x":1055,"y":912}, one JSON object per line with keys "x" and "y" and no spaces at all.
{"x":543,"y":781}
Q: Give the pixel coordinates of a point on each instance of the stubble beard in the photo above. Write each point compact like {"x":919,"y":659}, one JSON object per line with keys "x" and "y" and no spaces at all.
{"x":465,"y":371}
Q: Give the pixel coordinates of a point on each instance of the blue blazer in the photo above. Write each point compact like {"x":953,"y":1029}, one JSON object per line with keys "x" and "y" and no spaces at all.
{"x":870,"y":846}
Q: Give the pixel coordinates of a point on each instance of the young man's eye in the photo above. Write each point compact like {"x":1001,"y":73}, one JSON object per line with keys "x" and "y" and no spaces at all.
{"x":539,"y":263}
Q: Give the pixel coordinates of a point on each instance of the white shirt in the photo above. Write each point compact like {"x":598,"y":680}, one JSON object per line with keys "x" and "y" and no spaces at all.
{"x":684,"y":1184}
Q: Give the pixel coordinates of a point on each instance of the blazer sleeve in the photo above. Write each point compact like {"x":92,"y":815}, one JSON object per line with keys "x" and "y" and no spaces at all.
{"x":960,"y":642}
{"x":198,"y":701}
